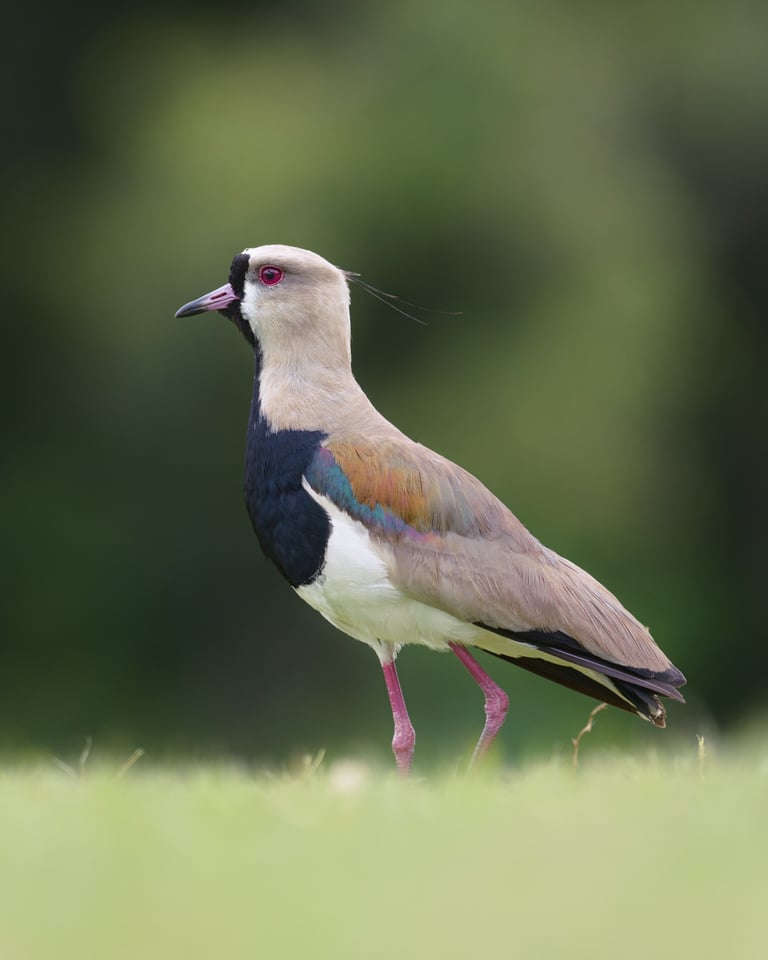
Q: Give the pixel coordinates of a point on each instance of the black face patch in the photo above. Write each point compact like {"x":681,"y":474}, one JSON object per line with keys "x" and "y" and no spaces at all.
{"x":237,"y":274}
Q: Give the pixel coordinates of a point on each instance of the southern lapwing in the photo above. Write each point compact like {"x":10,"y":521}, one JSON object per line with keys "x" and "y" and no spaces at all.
{"x":393,"y":543}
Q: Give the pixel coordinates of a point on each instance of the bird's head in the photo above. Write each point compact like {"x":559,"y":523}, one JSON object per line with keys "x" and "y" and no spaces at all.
{"x":285,"y":301}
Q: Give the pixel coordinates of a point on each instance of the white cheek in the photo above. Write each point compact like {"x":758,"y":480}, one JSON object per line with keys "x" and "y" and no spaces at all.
{"x":250,"y":306}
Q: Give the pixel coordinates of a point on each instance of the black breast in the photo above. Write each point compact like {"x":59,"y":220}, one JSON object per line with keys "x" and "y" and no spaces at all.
{"x":292,"y":529}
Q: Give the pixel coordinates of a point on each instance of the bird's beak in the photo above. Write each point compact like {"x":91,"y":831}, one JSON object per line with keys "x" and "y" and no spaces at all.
{"x":218,"y":299}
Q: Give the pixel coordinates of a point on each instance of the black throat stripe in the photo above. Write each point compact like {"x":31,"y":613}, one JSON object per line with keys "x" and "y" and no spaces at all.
{"x":292,"y":529}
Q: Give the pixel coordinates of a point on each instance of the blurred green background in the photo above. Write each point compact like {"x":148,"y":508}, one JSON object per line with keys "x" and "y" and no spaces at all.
{"x":586,"y":182}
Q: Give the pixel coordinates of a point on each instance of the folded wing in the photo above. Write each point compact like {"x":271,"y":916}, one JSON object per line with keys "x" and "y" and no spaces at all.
{"x":452,"y":544}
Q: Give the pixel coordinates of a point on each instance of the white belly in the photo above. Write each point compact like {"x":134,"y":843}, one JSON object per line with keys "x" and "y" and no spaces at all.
{"x":354,"y":592}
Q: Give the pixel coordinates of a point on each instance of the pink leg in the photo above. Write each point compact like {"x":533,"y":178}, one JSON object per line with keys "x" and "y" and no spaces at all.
{"x":404,"y":740}
{"x":496,"y":701}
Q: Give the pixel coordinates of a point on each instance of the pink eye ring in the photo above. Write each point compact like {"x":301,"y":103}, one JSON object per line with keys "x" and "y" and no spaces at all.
{"x":270,"y":275}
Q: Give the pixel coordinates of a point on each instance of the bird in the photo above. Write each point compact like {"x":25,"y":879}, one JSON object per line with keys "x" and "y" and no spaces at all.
{"x":393,"y":543}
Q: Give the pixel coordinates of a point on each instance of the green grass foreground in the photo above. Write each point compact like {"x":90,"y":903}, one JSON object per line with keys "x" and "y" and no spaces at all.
{"x":624,"y":857}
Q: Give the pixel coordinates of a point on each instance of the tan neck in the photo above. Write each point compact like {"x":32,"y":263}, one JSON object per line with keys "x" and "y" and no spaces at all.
{"x":327,"y":399}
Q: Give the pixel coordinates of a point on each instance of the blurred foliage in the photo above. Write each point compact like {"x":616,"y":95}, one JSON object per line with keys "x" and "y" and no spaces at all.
{"x":586,"y":183}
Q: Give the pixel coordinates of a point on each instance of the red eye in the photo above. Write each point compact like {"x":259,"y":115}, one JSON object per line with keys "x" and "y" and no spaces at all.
{"x":269,"y":276}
